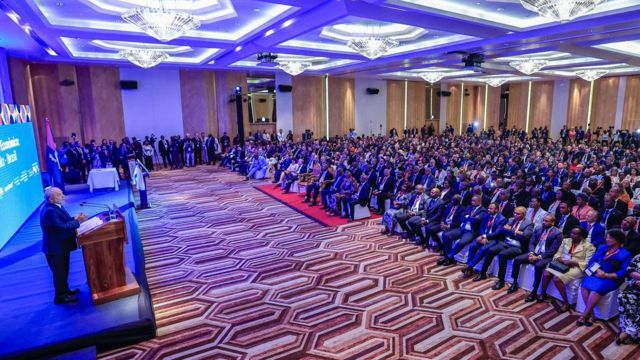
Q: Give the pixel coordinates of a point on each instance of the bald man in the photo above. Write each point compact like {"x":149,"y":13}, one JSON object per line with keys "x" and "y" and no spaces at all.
{"x":58,"y":240}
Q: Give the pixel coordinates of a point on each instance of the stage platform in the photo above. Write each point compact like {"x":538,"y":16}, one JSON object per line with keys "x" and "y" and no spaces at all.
{"x":31,"y":326}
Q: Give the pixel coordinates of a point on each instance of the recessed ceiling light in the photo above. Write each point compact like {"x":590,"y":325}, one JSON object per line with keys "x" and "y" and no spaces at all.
{"x":500,"y":9}
{"x":256,"y":10}
{"x":59,"y":3}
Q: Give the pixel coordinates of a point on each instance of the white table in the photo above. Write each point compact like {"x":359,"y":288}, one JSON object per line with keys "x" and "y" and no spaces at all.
{"x":103,"y":178}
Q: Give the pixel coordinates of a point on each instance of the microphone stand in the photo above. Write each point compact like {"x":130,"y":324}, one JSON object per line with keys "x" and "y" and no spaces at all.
{"x":110,"y":210}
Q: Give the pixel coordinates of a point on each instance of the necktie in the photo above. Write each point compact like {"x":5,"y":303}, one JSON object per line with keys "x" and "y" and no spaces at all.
{"x":543,"y":240}
{"x":533,"y":215}
{"x":490,"y":225}
{"x":516,"y":226}
{"x":450,"y":217}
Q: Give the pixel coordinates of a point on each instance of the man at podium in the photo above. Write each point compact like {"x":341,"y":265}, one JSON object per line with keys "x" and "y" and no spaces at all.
{"x":58,"y":240}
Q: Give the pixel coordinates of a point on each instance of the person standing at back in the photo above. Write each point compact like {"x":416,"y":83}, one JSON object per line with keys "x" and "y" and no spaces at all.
{"x":58,"y":240}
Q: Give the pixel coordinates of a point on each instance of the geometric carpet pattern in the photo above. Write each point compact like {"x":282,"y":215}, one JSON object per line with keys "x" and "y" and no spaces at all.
{"x":235,"y":274}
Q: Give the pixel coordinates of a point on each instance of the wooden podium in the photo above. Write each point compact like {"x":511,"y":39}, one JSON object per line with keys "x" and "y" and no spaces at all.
{"x":103,"y":252}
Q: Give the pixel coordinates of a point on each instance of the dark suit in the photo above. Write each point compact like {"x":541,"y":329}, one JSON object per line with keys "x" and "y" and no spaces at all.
{"x":466,"y":233}
{"x":450,"y":217}
{"x":491,"y":227}
{"x":433,"y":213}
{"x":385,"y":187}
{"x":513,"y":244}
{"x":314,"y":188}
{"x":163,"y":148}
{"x":611,"y":218}
{"x":361,"y":198}
{"x":466,"y":197}
{"x":58,"y":240}
{"x":596,"y":233}
{"x":566,"y":223}
{"x":334,"y":188}
{"x":506,"y":209}
{"x":632,"y":242}
{"x":404,"y":218}
{"x":545,"y":251}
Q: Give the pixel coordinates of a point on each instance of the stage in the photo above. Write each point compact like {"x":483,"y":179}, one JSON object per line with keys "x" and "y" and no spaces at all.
{"x":31,"y":326}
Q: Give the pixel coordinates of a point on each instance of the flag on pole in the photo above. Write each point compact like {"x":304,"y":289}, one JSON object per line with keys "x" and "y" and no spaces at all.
{"x":53,"y":165}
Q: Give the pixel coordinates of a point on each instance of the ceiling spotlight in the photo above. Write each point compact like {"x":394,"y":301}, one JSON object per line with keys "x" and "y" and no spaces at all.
{"x":144,"y":58}
{"x":161,"y":23}
{"x":496,"y":82}
{"x":561,"y":10}
{"x":294,"y":68}
{"x":432,"y":76}
{"x":592,"y":74}
{"x":529,"y":66}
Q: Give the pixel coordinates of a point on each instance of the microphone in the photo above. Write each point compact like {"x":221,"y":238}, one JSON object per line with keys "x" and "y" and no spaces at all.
{"x":95,"y":205}
{"x":111,"y":211}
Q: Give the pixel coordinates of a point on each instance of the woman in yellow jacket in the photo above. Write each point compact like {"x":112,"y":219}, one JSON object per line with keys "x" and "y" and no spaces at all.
{"x":575,"y":252}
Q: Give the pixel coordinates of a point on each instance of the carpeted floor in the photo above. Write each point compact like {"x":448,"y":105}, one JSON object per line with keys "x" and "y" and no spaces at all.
{"x":235,"y":274}
{"x":294,"y":201}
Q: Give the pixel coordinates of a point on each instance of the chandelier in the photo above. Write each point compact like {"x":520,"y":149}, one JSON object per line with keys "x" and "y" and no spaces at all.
{"x":372,"y":47}
{"x":561,"y":10}
{"x":294,"y":68}
{"x":432,"y":76}
{"x":592,"y":74}
{"x":144,"y":58}
{"x":529,"y":66}
{"x":163,"y":24}
{"x":496,"y":82}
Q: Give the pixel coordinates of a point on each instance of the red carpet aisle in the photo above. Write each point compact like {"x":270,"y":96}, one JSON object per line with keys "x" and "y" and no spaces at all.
{"x":294,"y":201}
{"x":235,"y":274}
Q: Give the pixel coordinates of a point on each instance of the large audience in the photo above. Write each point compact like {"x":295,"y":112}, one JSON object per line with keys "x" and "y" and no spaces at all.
{"x":565,"y":206}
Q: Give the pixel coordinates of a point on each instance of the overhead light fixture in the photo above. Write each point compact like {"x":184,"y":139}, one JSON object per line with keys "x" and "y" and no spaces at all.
{"x":496,"y":82}
{"x":372,"y":45}
{"x":294,"y":68}
{"x":592,"y":74}
{"x":144,"y":58}
{"x":529,"y":66}
{"x":432,"y":76}
{"x":561,"y":10}
{"x":161,"y":23}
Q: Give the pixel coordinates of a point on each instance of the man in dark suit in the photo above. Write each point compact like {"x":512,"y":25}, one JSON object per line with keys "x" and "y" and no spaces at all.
{"x":58,"y":240}
{"x":360,"y":198}
{"x":164,"y":149}
{"x":490,"y":236}
{"x":466,"y":233}
{"x":313,"y":189}
{"x":543,"y":246}
{"x":505,"y":207}
{"x":632,"y":241}
{"x":383,"y":190}
{"x":595,"y":230}
{"x":516,"y":236}
{"x":566,"y":222}
{"x":417,"y":208}
{"x":611,"y":217}
{"x":465,"y":193}
{"x":333,"y":189}
{"x":432,"y":215}
{"x":450,"y":220}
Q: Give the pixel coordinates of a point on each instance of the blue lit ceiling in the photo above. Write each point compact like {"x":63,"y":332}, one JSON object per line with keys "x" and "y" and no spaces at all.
{"x":433,"y":35}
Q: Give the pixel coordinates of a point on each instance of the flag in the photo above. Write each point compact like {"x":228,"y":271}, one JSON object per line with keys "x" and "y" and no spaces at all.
{"x":53,"y":165}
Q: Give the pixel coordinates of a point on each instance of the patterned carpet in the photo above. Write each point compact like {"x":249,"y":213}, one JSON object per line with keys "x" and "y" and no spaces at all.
{"x":234,"y":274}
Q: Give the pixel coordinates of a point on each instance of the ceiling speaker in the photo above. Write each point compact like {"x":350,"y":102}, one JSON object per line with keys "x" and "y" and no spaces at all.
{"x":129,"y":85}
{"x":373,"y":91}
{"x":285,"y":88}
